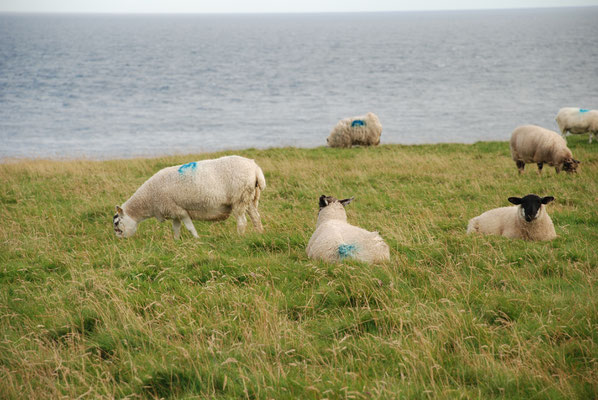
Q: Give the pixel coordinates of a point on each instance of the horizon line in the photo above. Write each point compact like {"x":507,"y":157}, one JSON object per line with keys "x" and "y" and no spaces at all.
{"x":286,"y":12}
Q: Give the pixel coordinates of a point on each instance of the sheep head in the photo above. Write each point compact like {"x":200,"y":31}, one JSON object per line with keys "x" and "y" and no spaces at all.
{"x":570,"y":165}
{"x":124,"y":225}
{"x":327,"y":200}
{"x":530,"y":206}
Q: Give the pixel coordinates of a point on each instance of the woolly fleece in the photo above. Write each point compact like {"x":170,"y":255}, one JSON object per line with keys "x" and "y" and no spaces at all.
{"x":335,"y":240}
{"x":578,"y":121}
{"x":509,"y":222}
{"x":364,"y":130}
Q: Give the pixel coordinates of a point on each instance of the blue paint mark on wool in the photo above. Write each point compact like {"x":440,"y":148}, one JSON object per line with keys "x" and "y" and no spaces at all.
{"x":191,"y":165}
{"x":346,"y":250}
{"x":357,"y":122}
{"x":583,"y":110}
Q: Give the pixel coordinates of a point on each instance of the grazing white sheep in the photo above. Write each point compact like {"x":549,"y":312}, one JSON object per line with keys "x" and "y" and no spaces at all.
{"x":578,"y":121}
{"x":364,"y":130}
{"x":528,"y":220}
{"x":208,"y":190}
{"x":534,"y":144}
{"x":335,"y":239}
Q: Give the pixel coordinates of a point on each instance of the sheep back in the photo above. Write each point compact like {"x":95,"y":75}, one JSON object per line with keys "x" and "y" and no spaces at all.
{"x":205,"y":189}
{"x":534,"y":144}
{"x":577,"y":120}
{"x":335,"y":241}
{"x":363,"y":130}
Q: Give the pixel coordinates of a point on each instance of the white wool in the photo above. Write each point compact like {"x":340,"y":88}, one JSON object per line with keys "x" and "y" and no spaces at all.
{"x":534,"y":144}
{"x":578,"y":121}
{"x":203,"y":190}
{"x":335,"y":239}
{"x":510,"y":222}
{"x":363,"y":130}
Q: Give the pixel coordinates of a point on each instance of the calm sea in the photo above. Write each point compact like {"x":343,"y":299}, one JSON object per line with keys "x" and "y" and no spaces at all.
{"x":106,"y":86}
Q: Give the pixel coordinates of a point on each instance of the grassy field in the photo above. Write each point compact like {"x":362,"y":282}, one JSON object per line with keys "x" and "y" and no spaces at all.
{"x":84,"y":314}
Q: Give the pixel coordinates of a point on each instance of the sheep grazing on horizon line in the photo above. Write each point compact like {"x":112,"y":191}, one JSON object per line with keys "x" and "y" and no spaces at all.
{"x":208,"y":190}
{"x":335,"y":240}
{"x":534,"y":144}
{"x":527,"y":220}
{"x":578,"y":121}
{"x":364,"y":130}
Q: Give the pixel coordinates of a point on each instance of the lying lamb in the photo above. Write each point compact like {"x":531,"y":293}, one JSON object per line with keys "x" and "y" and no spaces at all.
{"x":208,"y":190}
{"x":336,"y":240}
{"x":533,"y":144}
{"x":528,"y":220}
{"x":364,"y":130}
{"x":578,"y":121}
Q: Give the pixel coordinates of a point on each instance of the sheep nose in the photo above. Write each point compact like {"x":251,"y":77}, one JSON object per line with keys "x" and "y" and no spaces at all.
{"x":528,"y":218}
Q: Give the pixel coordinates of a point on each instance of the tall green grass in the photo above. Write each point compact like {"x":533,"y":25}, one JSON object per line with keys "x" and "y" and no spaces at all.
{"x":85,"y":314}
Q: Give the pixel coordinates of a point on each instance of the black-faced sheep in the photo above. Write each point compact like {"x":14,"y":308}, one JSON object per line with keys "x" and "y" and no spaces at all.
{"x":527,"y":220}
{"x":208,"y":190}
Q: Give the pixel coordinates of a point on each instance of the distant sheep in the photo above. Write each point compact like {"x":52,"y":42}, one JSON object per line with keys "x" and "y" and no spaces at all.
{"x":363,"y":130}
{"x":208,"y":190}
{"x":335,"y":240}
{"x":528,"y":220}
{"x":578,"y":121}
{"x":533,"y":144}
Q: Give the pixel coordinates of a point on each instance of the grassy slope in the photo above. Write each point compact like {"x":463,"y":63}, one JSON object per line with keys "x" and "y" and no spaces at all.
{"x":83,"y":313}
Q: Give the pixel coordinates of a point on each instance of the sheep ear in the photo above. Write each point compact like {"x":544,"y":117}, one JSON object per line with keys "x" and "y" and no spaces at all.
{"x":323,"y":201}
{"x":547,"y":199}
{"x":515,"y":200}
{"x":120,"y":211}
{"x":346,"y":201}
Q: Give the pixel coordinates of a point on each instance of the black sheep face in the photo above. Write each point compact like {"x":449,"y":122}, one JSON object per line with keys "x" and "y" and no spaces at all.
{"x":570,"y":165}
{"x":530,"y":205}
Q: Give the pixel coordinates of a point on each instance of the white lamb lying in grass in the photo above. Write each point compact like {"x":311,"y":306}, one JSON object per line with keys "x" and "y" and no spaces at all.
{"x":529,"y":220}
{"x":336,"y":240}
{"x":208,"y":190}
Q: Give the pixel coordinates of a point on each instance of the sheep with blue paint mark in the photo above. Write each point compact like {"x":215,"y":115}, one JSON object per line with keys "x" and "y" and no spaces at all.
{"x":364,"y":130}
{"x":335,"y":240}
{"x":578,"y":121}
{"x":208,"y":190}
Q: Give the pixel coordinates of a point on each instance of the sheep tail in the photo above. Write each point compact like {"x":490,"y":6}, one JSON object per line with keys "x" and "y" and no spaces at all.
{"x":260,"y":180}
{"x":260,"y":184}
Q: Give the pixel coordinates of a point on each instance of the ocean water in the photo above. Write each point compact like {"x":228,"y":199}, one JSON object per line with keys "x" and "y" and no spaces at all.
{"x":108,"y":86}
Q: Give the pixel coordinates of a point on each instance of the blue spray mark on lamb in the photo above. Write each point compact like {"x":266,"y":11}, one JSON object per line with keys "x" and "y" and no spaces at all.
{"x":357,"y":122}
{"x":346,"y":251}
{"x":185,"y":167}
{"x":582,"y":110}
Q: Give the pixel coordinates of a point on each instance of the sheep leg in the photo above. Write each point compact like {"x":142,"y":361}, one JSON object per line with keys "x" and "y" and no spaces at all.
{"x":591,"y":137}
{"x":176,"y":227}
{"x":189,"y":225}
{"x":540,"y":165}
{"x":520,"y":166}
{"x":255,"y":218}
{"x":239,"y":213}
